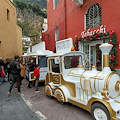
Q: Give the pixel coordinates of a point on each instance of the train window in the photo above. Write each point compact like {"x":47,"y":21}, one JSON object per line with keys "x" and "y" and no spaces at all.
{"x":72,"y":61}
{"x":55,"y":66}
{"x":42,"y":61}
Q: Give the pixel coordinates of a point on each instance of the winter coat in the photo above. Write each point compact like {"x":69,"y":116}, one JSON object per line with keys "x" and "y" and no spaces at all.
{"x":31,"y":66}
{"x":2,"y":73}
{"x":36,"y":72}
{"x":15,"y":68}
{"x":22,"y":73}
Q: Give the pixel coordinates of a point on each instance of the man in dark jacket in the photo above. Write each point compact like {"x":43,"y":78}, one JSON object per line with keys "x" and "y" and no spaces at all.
{"x":15,"y":70}
{"x":31,"y":66}
{"x":2,"y":62}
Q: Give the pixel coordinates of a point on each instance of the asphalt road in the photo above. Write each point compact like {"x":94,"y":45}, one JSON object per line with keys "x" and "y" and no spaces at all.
{"x":13,"y":107}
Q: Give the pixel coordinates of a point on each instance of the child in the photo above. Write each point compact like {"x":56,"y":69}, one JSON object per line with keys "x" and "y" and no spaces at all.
{"x":2,"y":74}
{"x":36,"y":76}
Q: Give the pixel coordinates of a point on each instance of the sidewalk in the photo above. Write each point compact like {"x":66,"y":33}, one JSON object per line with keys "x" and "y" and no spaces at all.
{"x":13,"y":107}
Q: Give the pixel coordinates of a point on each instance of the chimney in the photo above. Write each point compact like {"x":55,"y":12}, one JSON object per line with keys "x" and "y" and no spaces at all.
{"x":105,"y":48}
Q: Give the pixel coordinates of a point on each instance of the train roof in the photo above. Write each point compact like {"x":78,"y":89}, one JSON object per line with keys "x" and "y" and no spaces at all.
{"x":39,"y":53}
{"x":67,"y":54}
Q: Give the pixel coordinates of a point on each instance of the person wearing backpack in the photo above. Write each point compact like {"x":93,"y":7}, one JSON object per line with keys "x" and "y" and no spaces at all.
{"x":8,"y":68}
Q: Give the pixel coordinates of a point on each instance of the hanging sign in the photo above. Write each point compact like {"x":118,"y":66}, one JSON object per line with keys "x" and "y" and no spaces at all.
{"x":89,"y":32}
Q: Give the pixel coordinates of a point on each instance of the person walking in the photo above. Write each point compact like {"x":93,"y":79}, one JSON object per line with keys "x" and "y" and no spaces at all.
{"x":15,"y":70}
{"x":2,"y":74}
{"x":2,"y":62}
{"x":36,"y":76}
{"x":8,"y":68}
{"x":22,"y":73}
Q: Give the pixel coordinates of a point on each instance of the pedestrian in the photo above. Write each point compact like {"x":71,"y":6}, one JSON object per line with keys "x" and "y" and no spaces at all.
{"x":22,"y":73}
{"x":36,"y":76}
{"x":31,"y":66}
{"x":11,"y":75}
{"x":2,"y":63}
{"x":15,"y":70}
{"x":8,"y":68}
{"x":2,"y":74}
{"x":21,"y":60}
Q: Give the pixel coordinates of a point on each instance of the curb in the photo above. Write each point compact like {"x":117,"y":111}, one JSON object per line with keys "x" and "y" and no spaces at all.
{"x":29,"y":104}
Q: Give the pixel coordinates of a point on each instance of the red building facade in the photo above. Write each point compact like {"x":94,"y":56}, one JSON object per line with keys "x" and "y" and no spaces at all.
{"x":70,"y":20}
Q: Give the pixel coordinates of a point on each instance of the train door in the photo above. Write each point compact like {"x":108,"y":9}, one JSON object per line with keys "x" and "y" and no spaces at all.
{"x":95,"y":55}
{"x":55,"y":70}
{"x":98,"y":58}
{"x":42,"y":61}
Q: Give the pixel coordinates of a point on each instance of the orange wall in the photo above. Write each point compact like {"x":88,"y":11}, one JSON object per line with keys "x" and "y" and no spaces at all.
{"x":10,"y":34}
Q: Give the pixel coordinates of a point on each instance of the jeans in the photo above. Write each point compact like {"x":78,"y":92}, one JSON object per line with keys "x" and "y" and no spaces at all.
{"x":16,"y":78}
{"x":36,"y":84}
{"x":2,"y":78}
{"x":21,"y":80}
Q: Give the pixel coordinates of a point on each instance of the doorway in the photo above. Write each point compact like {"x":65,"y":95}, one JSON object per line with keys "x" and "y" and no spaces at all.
{"x":95,"y":55}
{"x":98,"y":58}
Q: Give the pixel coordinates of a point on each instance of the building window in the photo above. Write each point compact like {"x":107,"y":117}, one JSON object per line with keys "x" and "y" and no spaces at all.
{"x":93,"y":16}
{"x":8,"y":15}
{"x":56,"y":2}
{"x":56,"y":34}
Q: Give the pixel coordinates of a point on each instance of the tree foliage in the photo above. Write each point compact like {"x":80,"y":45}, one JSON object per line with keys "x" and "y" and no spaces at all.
{"x":35,"y":8}
{"x":40,"y":3}
{"x":25,"y":28}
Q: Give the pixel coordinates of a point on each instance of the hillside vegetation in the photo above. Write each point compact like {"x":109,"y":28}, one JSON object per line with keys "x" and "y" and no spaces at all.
{"x":30,"y":19}
{"x":40,"y":3}
{"x":31,"y":8}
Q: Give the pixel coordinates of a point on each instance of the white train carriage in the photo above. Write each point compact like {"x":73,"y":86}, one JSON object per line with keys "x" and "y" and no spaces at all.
{"x":95,"y":91}
{"x":40,"y":58}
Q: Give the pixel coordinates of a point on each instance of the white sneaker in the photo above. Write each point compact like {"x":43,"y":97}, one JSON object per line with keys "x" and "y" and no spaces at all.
{"x":9,"y":93}
{"x":37,"y":91}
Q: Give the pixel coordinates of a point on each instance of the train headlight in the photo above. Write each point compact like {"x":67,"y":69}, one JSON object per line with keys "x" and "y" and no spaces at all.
{"x":117,"y":86}
{"x":105,"y":93}
{"x":118,"y":112}
{"x":118,"y":115}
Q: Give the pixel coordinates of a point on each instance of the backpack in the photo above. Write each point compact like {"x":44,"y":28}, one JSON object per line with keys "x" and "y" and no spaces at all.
{"x":8,"y":66}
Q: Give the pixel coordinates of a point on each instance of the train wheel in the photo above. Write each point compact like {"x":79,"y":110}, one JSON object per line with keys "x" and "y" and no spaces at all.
{"x":48,"y":91}
{"x":59,"y":95}
{"x":100,"y":112}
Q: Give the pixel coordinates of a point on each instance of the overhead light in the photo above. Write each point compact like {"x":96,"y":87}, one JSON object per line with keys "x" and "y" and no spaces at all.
{"x":78,"y":2}
{"x":56,"y":26}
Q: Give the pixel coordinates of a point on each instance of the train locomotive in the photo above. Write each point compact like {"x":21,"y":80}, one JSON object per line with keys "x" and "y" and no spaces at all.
{"x":95,"y":91}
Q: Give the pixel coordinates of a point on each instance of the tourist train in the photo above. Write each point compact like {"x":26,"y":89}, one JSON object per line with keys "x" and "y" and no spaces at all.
{"x":39,"y":54}
{"x":98,"y":92}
